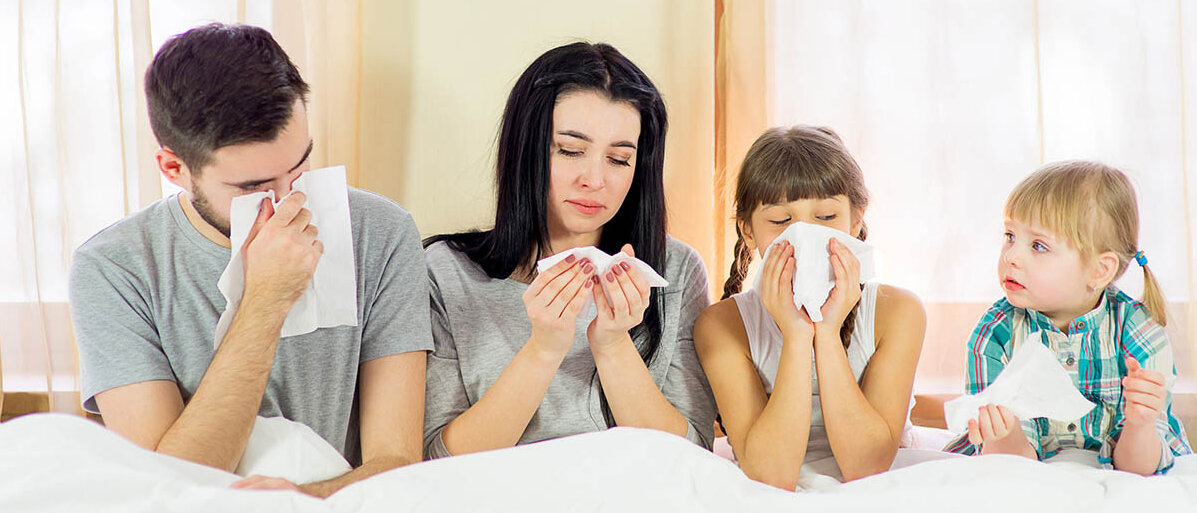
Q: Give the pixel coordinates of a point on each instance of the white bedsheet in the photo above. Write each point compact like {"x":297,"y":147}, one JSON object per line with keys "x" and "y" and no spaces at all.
{"x":64,"y":463}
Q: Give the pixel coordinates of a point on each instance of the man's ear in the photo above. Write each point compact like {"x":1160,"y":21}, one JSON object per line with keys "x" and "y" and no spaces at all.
{"x":173,"y":168}
{"x":1104,"y":270}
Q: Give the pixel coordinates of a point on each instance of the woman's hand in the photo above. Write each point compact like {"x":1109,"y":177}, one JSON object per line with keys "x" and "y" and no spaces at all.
{"x":777,"y":293}
{"x":629,"y":298}
{"x":846,"y":294}
{"x":553,"y":302}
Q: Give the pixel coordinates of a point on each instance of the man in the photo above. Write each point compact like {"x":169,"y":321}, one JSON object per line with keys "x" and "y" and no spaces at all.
{"x":229,"y":111}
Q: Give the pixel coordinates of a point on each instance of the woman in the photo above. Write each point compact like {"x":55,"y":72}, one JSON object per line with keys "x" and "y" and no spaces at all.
{"x":522,"y":356}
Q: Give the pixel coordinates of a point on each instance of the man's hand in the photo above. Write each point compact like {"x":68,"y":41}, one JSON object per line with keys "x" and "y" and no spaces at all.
{"x":256,"y":482}
{"x":281,"y":252}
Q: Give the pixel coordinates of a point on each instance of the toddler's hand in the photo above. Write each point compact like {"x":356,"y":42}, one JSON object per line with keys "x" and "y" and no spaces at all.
{"x":1144,"y":392}
{"x":996,"y":430}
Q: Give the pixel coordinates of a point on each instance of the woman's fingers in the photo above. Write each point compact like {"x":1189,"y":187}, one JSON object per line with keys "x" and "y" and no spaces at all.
{"x":554,"y":273}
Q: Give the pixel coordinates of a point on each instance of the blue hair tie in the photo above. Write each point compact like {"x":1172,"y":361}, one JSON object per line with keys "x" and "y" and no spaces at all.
{"x":1141,"y":259}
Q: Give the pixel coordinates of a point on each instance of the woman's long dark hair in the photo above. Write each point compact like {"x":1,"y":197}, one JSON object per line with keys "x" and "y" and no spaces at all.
{"x":520,"y":234}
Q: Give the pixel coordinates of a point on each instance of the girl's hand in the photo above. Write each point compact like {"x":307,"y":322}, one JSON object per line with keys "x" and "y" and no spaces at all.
{"x":553,"y":302}
{"x":777,"y":292}
{"x":996,"y":430}
{"x":846,"y":294}
{"x":1144,"y":392}
{"x":630,"y":296}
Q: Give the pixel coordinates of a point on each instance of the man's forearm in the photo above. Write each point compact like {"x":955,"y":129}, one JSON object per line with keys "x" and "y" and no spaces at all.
{"x":216,"y":423}
{"x":368,"y":469}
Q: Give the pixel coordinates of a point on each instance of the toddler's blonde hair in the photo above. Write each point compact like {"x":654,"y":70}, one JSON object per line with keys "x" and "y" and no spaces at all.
{"x":1092,"y":207}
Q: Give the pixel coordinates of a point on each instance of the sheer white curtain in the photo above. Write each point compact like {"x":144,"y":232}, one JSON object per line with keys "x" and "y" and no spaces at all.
{"x":947,"y":104}
{"x":76,"y":151}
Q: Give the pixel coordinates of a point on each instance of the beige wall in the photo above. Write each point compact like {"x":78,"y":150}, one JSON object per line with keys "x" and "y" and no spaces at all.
{"x":436,"y":73}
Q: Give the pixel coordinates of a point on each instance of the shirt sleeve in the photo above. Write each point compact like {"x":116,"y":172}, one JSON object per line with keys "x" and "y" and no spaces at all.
{"x":445,"y":395}
{"x":989,"y":350}
{"x":1146,"y":341}
{"x":397,"y":320}
{"x":685,"y":385}
{"x":114,"y":327}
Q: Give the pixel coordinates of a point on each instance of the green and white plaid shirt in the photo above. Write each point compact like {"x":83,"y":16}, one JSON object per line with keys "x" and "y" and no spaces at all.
{"x":1092,"y":349}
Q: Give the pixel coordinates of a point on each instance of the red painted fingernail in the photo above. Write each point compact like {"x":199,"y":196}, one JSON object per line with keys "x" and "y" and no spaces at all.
{"x":617,"y":269}
{"x":625,"y":266}
{"x":588,"y":283}
{"x":586,"y":268}
{"x":610,"y":276}
{"x":595,"y":279}
{"x":571,"y":258}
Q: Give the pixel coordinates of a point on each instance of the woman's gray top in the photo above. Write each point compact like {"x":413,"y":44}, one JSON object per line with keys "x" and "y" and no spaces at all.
{"x":479,"y":324}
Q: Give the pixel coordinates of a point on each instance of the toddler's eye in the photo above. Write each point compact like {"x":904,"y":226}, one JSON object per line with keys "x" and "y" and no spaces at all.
{"x":1009,"y":237}
{"x":825,"y":218}
{"x":1039,"y":246}
{"x":782,"y":222}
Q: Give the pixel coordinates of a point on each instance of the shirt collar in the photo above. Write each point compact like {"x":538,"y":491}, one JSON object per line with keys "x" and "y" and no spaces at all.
{"x":1089,"y":322}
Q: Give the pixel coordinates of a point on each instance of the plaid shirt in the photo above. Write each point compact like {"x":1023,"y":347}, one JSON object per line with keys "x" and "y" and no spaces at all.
{"x":1092,"y":349}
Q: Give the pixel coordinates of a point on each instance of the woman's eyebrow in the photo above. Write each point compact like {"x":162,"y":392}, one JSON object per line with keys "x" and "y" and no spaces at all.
{"x":579,"y":135}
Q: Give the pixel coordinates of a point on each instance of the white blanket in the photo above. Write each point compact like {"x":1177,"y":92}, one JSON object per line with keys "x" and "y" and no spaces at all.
{"x":61,"y":463}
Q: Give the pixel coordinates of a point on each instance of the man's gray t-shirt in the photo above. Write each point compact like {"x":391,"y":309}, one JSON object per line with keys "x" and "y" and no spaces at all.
{"x":479,"y":324}
{"x":145,"y":305}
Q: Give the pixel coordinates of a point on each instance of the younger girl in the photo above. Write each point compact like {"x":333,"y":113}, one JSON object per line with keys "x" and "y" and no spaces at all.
{"x":1071,"y":230}
{"x":790,"y":390}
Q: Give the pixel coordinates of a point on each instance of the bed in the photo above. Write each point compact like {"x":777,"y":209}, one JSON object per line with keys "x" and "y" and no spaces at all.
{"x":52,"y":462}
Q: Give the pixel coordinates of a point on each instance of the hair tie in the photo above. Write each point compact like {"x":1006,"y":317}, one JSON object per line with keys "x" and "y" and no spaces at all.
{"x":1141,"y":259}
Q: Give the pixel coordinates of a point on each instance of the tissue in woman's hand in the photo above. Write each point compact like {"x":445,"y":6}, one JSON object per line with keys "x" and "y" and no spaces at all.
{"x":813,"y":276}
{"x":1032,"y":385}
{"x":331,"y":296}
{"x":602,"y":262}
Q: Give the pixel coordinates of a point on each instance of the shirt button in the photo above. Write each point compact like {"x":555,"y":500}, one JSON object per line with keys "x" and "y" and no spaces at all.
{"x":1070,"y":361}
{"x":1080,"y":325}
{"x":1072,"y":427}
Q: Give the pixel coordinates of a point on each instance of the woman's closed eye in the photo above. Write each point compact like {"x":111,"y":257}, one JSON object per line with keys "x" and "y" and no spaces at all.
{"x":619,"y":162}
{"x":570,"y":153}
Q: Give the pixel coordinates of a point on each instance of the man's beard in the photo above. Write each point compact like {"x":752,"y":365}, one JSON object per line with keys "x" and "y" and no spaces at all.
{"x":204,"y":208}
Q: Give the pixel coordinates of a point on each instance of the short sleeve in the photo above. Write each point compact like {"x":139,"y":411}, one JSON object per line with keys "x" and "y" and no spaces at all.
{"x":114,"y":328}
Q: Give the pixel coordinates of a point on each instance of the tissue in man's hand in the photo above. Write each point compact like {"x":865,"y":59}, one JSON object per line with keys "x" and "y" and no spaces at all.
{"x":602,"y":262}
{"x":813,"y":276}
{"x":283,"y":448}
{"x":1032,"y":385}
{"x":331,"y":296}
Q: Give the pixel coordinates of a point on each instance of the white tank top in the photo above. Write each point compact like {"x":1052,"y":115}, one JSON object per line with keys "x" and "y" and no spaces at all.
{"x":764,"y":344}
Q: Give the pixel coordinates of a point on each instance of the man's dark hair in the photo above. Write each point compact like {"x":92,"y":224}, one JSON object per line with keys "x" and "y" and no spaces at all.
{"x":219,"y":85}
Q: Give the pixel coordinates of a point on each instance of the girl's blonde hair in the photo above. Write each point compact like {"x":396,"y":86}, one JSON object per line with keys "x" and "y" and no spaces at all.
{"x":1091,"y":206}
{"x":799,"y":162}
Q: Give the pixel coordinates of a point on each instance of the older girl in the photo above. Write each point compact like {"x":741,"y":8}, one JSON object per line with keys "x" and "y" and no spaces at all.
{"x":791,"y":391}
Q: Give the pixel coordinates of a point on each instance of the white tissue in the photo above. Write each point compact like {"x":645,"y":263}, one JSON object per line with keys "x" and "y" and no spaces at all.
{"x":602,"y":262}
{"x":813,"y":276}
{"x":331,"y":296}
{"x":279,"y":447}
{"x":1032,"y":385}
